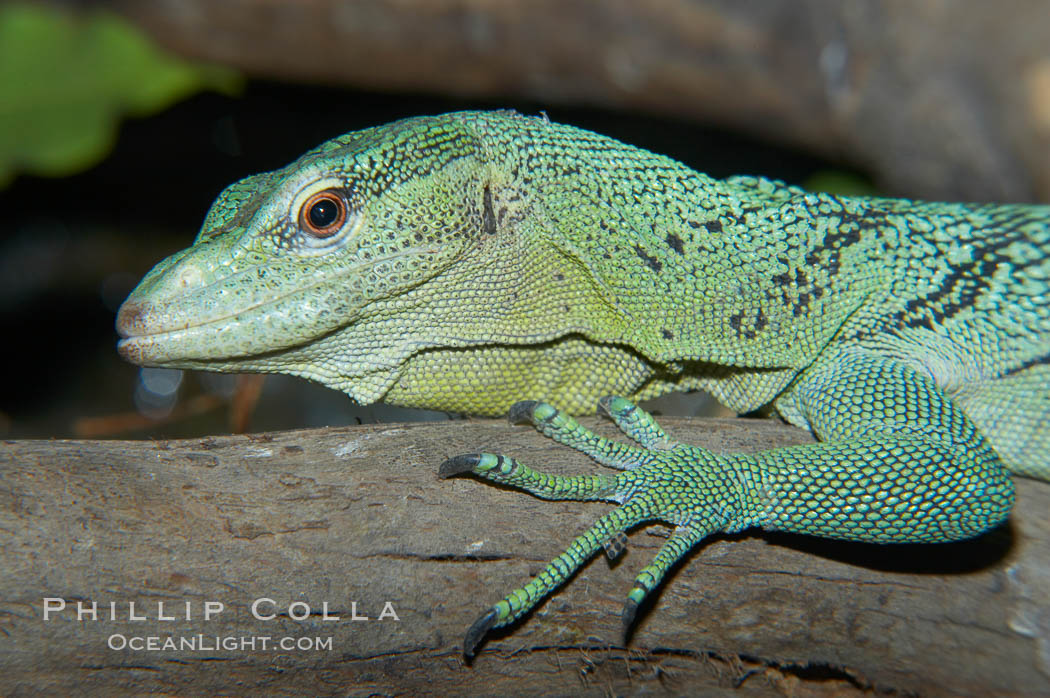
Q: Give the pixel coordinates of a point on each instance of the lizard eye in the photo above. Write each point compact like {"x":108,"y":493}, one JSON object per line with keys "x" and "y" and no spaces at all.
{"x":323,"y":214}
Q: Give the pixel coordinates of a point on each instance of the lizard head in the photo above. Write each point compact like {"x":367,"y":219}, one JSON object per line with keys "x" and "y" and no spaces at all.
{"x":287,"y":261}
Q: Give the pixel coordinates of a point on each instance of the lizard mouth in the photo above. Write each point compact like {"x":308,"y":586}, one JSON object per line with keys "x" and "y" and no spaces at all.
{"x":187,"y":328}
{"x":145,"y":341}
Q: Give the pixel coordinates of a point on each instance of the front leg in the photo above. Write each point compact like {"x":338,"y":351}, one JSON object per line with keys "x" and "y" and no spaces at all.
{"x":899,"y":463}
{"x":691,"y":488}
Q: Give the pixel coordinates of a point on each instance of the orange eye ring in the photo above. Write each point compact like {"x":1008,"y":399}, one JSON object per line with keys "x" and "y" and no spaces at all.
{"x":323,"y":214}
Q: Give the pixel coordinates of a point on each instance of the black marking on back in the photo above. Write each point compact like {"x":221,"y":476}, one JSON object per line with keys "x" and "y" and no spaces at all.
{"x":488,"y":219}
{"x":675,"y":243}
{"x":827,"y":257}
{"x":829,"y":253}
{"x":1037,"y":361}
{"x":736,"y":321}
{"x":652,"y":262}
{"x":964,"y":284}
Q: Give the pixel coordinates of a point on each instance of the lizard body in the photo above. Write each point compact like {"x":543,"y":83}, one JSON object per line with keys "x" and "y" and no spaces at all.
{"x":465,"y":261}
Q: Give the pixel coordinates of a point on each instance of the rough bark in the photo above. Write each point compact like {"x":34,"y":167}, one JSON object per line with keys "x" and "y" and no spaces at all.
{"x":357,"y":515}
{"x":946,"y":100}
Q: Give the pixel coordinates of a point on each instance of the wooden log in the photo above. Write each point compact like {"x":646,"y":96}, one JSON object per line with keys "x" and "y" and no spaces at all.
{"x":938,"y":100}
{"x":354,"y":522}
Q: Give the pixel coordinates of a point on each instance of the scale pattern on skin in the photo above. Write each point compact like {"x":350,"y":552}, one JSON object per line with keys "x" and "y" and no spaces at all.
{"x":478,"y":258}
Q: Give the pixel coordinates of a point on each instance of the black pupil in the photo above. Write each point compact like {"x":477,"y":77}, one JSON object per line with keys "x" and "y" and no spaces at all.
{"x":323,"y":213}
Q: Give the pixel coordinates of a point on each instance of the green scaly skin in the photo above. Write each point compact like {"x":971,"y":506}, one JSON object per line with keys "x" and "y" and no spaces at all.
{"x":486,"y":257}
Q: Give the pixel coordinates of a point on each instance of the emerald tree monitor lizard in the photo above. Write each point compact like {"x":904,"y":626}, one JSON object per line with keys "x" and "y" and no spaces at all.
{"x":466,"y":261}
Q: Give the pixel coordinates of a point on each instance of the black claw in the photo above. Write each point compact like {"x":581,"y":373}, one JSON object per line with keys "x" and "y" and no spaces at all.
{"x":458,"y":465}
{"x":521,"y":412}
{"x":478,"y":631}
{"x":627,"y":619}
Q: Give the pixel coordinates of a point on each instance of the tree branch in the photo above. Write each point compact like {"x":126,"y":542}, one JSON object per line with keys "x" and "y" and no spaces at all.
{"x":357,"y":516}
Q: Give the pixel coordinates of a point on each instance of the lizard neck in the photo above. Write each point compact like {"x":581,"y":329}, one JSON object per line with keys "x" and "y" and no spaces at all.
{"x":737,"y":273}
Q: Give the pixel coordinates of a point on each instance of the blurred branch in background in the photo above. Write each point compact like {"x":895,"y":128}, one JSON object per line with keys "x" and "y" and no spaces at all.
{"x":67,"y":79}
{"x":937,"y":99}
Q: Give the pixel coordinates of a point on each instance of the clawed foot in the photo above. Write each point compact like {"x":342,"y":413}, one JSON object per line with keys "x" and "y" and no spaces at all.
{"x":660,"y":480}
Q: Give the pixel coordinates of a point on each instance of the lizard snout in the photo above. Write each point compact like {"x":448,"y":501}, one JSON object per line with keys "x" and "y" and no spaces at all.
{"x":130,"y":319}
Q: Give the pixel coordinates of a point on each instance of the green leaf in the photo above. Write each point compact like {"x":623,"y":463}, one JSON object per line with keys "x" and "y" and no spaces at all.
{"x":67,"y":79}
